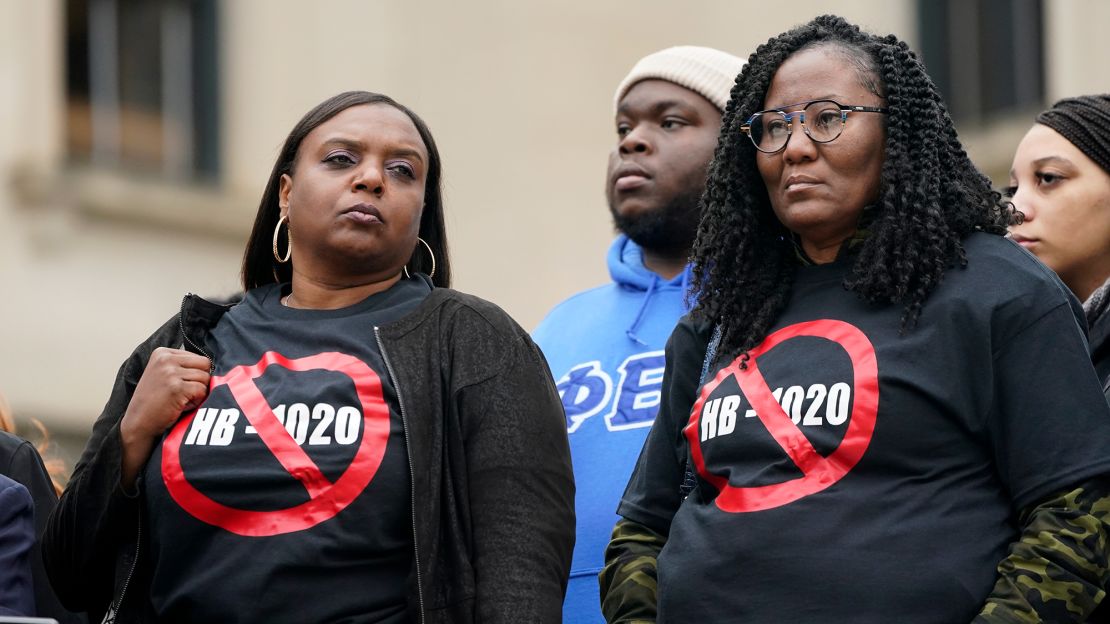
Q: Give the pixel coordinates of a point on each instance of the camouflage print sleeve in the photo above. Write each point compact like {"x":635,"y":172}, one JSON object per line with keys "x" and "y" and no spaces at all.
{"x":1058,"y":569}
{"x":628,"y":578}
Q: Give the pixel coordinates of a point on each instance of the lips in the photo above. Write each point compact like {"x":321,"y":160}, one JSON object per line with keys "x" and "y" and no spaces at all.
{"x":630,"y":176}
{"x":1023,"y":240}
{"x":799,"y":182}
{"x":363,"y":213}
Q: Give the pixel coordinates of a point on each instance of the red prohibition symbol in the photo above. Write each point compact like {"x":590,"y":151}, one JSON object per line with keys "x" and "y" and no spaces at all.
{"x":818,"y":472}
{"x":326,"y":499}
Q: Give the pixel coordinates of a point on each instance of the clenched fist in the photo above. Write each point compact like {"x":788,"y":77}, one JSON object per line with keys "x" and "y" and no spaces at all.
{"x":173,"y":382}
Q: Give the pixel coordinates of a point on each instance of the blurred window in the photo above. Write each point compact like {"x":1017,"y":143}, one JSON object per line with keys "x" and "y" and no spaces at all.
{"x":142,"y":86}
{"x":986,"y":56}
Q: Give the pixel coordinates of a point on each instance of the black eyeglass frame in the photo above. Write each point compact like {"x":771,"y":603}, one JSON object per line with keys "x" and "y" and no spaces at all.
{"x":746,"y":127}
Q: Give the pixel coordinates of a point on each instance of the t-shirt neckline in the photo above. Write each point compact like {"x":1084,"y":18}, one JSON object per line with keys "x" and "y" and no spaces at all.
{"x":270,"y":299}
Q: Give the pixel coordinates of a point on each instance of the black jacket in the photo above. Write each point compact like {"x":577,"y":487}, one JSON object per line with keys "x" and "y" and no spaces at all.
{"x":493,"y":503}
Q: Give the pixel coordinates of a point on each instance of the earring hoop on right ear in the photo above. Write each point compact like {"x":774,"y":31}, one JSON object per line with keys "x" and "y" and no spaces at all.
{"x":405,"y":269}
{"x":431,"y":255}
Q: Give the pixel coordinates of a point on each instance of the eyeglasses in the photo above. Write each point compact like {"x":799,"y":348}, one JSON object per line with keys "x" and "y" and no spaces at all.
{"x":822,"y":121}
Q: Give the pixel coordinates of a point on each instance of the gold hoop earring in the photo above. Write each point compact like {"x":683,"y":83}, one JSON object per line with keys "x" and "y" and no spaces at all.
{"x":431,"y":255}
{"x":289,"y":249}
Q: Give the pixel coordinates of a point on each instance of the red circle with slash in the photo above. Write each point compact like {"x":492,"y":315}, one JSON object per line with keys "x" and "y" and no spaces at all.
{"x":819,"y":472}
{"x":326,"y":499}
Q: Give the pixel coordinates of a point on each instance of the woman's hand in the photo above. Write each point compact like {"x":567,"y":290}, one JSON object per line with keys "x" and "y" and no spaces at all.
{"x":174,"y":381}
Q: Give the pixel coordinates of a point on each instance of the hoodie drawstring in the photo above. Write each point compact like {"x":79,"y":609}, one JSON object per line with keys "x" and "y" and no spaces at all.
{"x":652,"y":287}
{"x":631,"y":331}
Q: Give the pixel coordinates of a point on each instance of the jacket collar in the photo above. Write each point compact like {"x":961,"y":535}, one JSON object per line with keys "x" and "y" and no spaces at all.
{"x":198,"y":316}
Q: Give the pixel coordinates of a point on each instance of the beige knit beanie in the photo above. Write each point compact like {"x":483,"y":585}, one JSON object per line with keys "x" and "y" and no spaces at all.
{"x":708,"y":72}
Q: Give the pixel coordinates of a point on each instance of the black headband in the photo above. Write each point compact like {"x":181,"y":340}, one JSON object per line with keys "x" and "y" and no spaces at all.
{"x":1085,"y":121}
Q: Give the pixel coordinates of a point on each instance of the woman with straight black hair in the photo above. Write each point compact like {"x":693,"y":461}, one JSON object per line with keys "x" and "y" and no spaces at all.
{"x":259,"y":263}
{"x":880,"y":409}
{"x":352,"y":442}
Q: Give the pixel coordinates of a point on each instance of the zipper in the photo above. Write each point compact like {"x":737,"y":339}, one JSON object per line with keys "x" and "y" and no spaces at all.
{"x":412,"y":472}
{"x":113,"y":609}
{"x":185,"y":336}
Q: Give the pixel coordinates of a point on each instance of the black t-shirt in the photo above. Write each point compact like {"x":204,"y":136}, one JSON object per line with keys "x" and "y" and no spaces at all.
{"x":852,"y":474}
{"x":285,"y":496}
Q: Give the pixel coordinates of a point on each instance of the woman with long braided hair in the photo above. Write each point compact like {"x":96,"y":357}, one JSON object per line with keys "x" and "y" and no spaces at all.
{"x":880,"y":409}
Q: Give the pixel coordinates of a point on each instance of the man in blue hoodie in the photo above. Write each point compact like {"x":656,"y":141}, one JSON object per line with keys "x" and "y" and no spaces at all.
{"x":605,"y":345}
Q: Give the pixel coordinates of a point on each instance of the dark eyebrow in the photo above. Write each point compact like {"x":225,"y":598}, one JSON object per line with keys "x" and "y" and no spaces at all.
{"x":833,"y":98}
{"x":408,"y":152}
{"x":359,"y":146}
{"x":350,"y":144}
{"x":1049,"y":160}
{"x":659,"y":107}
{"x":1053,"y":160}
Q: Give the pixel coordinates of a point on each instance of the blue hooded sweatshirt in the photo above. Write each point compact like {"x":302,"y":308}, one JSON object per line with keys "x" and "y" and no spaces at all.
{"x":605,"y":348}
